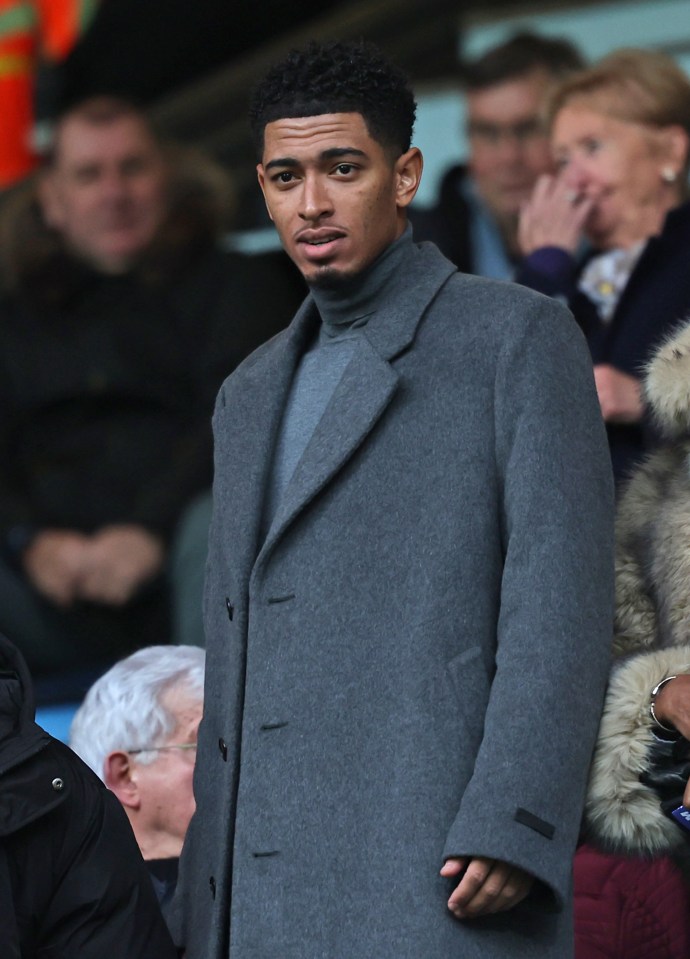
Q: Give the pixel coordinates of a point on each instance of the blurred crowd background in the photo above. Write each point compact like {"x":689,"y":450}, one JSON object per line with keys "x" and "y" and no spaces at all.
{"x":192,"y":65}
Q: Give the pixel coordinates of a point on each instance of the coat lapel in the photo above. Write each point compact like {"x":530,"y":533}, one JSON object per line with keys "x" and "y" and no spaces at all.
{"x":246,"y":429}
{"x":365,"y":389}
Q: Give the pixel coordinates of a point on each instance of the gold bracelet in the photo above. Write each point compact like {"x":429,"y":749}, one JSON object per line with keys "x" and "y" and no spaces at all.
{"x":652,"y":701}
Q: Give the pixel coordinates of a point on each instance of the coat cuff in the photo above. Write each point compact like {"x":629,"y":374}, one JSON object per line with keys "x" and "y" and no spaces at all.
{"x":522,"y":838}
{"x":621,"y":814}
{"x":549,"y":270}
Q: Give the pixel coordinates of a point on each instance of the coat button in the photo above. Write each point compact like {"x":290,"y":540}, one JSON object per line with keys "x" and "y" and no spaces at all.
{"x":57,"y":784}
{"x":223,"y":746}
{"x":212,"y":887}
{"x":230,"y":608}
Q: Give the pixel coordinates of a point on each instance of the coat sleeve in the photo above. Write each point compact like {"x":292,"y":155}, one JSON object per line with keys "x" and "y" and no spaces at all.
{"x":553,"y":633}
{"x":549,"y":270}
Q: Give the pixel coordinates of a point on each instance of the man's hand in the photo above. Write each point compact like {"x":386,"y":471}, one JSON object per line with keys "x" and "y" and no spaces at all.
{"x":121,"y":558}
{"x":672,"y":708}
{"x":552,"y":216}
{"x":487,"y":886}
{"x":54,"y":562}
{"x":620,"y":395}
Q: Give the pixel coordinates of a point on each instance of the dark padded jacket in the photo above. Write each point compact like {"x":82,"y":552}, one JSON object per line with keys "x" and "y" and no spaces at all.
{"x":629,"y":907}
{"x":72,"y":881}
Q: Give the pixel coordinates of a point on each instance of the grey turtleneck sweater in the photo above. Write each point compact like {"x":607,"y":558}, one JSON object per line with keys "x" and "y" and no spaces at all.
{"x":345,"y":311}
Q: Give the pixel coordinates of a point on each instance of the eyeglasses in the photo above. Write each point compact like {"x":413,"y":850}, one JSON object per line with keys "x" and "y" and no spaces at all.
{"x":492,"y":134}
{"x":161,"y":749}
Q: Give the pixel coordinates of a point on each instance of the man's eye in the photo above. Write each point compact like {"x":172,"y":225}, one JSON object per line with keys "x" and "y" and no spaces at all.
{"x":527,"y":130}
{"x":285,"y":176}
{"x":86,"y":175}
{"x":592,"y":146}
{"x":344,"y":168}
{"x":134,"y":166}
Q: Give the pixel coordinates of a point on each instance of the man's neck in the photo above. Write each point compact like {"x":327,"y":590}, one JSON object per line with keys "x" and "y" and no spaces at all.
{"x":508,"y":227}
{"x":350,"y":302}
{"x":157,"y":845}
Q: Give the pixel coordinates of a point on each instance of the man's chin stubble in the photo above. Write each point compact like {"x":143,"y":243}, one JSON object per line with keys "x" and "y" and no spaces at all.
{"x":328,"y":278}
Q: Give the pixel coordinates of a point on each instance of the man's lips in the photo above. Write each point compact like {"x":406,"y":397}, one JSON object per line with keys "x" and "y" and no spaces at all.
{"x":123,"y":223}
{"x":319,"y":244}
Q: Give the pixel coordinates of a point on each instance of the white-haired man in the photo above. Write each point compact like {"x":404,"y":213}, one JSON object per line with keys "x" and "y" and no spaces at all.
{"x":137,"y":729}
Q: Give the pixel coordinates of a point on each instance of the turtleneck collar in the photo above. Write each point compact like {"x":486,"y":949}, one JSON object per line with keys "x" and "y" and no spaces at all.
{"x":350,"y":304}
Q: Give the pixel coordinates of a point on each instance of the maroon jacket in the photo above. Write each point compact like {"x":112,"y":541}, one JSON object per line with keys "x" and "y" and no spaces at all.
{"x":629,"y":907}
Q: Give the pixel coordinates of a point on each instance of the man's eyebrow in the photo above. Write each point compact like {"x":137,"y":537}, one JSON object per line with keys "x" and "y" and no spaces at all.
{"x":333,"y":153}
{"x":283,"y":162}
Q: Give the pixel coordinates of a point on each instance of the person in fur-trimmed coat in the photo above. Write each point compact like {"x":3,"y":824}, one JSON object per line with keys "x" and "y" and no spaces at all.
{"x":641,"y":754}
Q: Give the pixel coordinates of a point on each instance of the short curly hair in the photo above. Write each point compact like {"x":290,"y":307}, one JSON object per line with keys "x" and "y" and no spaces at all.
{"x":337,"y":77}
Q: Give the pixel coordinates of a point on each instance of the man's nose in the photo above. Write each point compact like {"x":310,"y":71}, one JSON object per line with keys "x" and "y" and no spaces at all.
{"x":114,"y":185}
{"x":316,"y":199}
{"x":510,"y":148}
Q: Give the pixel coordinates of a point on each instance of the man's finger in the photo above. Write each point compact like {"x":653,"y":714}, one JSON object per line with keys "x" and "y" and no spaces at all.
{"x":494,"y":887}
{"x":468,"y":887}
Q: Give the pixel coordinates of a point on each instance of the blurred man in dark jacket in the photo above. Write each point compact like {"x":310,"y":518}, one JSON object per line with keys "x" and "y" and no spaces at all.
{"x":72,"y":881}
{"x":122,"y":318}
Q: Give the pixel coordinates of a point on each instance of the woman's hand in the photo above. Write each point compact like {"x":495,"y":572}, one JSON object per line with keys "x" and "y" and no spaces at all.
{"x":553,"y":216}
{"x":620,"y":395}
{"x":672,"y":708}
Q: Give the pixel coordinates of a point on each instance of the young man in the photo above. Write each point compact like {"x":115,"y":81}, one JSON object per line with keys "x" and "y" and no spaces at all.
{"x":408,"y":597}
{"x":475,"y":221}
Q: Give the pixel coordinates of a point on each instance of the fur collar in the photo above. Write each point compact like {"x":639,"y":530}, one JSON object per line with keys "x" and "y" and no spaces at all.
{"x":621,"y":814}
{"x":667,"y":385}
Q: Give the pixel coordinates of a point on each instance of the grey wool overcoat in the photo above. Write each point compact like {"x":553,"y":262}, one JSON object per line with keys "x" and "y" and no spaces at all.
{"x":411,"y":663}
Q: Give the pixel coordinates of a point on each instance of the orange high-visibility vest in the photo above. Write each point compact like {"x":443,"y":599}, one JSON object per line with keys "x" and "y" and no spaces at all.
{"x":30,"y":30}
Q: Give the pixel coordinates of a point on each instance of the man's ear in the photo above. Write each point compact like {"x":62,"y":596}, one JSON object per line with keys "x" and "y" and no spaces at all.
{"x":118,"y":777}
{"x":261,"y":176}
{"x":49,"y":201}
{"x":408,"y":173}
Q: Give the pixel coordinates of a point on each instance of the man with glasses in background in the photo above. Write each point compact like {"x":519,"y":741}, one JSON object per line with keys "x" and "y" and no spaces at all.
{"x":137,"y":730}
{"x":474,"y":223}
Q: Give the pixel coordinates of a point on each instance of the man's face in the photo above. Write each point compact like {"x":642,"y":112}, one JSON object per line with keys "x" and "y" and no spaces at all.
{"x":165,"y":785}
{"x":509,"y":147}
{"x":105,"y":192}
{"x":336,"y":196}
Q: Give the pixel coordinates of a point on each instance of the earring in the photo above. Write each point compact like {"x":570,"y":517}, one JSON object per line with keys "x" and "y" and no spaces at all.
{"x":669,"y":175}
